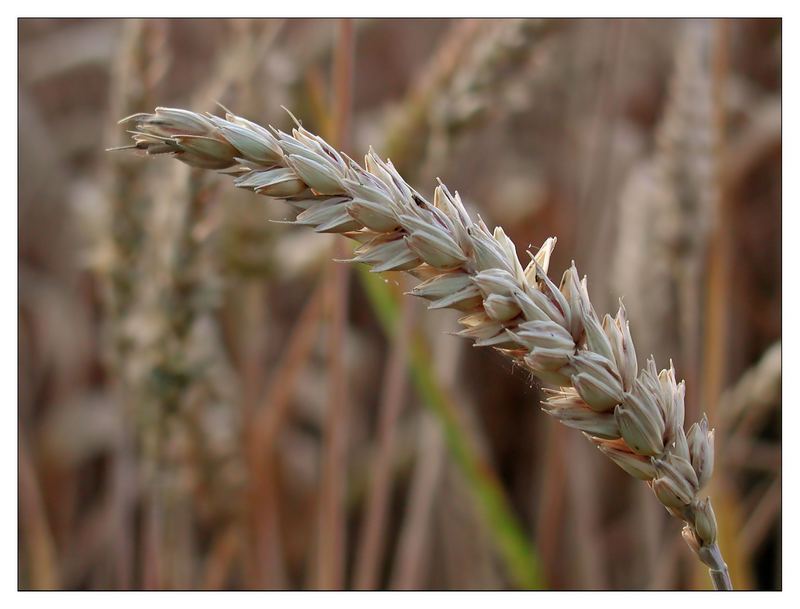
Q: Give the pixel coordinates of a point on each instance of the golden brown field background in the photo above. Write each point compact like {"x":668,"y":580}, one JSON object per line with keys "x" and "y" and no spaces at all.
{"x":182,"y":368}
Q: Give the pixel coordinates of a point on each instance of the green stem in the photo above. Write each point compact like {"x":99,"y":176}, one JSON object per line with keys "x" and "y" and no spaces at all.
{"x":507,"y":532}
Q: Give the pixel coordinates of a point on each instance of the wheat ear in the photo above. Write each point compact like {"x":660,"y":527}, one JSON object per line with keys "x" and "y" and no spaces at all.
{"x":633,"y":416}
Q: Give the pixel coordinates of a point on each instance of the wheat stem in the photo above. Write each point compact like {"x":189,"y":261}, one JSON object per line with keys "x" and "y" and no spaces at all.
{"x":512,"y":542}
{"x":372,"y":541}
{"x":635,"y":416}
{"x":36,"y":536}
{"x":332,"y":517}
{"x":719,"y":573}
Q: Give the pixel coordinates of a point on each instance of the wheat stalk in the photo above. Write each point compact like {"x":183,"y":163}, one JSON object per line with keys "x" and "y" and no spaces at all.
{"x":633,"y":416}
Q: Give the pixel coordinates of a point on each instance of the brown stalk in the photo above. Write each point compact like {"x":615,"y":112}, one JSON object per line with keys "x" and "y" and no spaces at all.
{"x":583,"y":495}
{"x":762,"y":516}
{"x":332,"y":545}
{"x":746,"y":404}
{"x":717,"y":320}
{"x":265,"y":569}
{"x":262,"y":444}
{"x":754,"y":394}
{"x":35,"y":534}
{"x":666,"y":575}
{"x":152,"y":534}
{"x":413,"y":552}
{"x":373,"y":534}
{"x":220,"y":559}
{"x":551,"y":502}
{"x":718,"y":275}
{"x":582,"y":487}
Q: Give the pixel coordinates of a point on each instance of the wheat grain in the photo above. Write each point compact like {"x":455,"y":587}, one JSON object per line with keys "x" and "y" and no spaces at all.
{"x":633,"y":416}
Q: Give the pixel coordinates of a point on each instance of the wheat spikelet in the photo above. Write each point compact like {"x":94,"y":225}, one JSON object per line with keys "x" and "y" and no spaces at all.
{"x":634,"y":416}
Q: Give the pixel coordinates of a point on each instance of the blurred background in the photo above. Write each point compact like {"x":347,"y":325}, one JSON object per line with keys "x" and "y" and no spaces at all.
{"x":201,"y":404}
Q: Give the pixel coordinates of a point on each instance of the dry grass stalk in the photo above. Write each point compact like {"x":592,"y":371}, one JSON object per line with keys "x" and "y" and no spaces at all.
{"x":413,"y":555}
{"x":261,"y":439}
{"x":371,"y":543}
{"x":549,"y":522}
{"x":332,"y":518}
{"x":464,"y":558}
{"x":762,"y":516}
{"x":41,"y":559}
{"x":634,"y":416}
{"x":748,"y":405}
